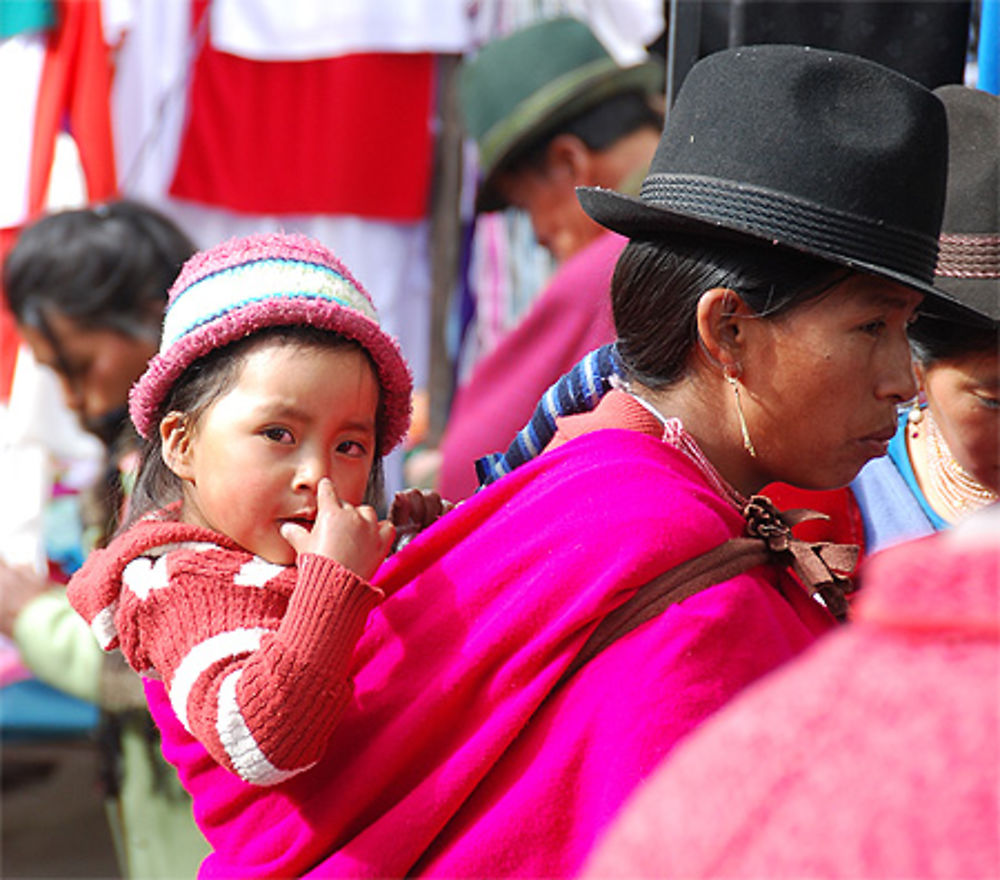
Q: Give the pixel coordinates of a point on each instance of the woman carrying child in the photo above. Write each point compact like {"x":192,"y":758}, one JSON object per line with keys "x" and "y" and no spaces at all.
{"x":778,"y":252}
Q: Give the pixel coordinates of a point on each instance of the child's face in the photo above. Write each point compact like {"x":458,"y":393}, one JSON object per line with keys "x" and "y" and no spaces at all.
{"x":254,"y":458}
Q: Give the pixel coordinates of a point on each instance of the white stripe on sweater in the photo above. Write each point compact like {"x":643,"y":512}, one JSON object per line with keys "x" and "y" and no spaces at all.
{"x":164,"y":549}
{"x":248,"y":760}
{"x":103,"y":626}
{"x":230,"y":644}
{"x":257,"y":572}
{"x":143,"y":575}
{"x":149,"y":572}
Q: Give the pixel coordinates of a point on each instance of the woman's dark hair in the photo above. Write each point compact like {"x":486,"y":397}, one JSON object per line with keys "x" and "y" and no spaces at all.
{"x":657,"y":284}
{"x":598,"y":128}
{"x":106,"y":267}
{"x":934,"y":338}
{"x":204,"y":382}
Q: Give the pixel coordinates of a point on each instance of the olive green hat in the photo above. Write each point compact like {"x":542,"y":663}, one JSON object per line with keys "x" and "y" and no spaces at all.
{"x":520,"y":87}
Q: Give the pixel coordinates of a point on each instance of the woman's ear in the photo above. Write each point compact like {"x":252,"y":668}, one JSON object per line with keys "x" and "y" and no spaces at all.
{"x":722,"y":327}
{"x":568,"y":156}
{"x":175,"y":444}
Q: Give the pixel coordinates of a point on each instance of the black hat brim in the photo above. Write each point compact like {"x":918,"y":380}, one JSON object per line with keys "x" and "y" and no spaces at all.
{"x":637,"y":219}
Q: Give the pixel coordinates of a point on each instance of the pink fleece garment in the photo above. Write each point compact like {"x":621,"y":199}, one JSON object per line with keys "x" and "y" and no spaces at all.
{"x":447,"y":763}
{"x":571,"y":317}
{"x":874,"y":755}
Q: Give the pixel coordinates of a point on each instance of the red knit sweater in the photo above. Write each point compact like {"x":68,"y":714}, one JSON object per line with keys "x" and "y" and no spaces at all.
{"x":254,"y":656}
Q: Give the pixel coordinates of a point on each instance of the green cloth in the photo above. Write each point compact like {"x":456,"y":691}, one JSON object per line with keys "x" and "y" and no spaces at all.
{"x":158,"y":835}
{"x":530,"y":82}
{"x":151,"y":817}
{"x":24,"y":16}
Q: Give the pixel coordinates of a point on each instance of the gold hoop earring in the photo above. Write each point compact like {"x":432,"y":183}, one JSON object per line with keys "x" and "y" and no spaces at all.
{"x":747,"y":442}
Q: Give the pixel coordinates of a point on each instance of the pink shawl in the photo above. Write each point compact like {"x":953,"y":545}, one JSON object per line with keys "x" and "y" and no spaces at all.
{"x":454,"y":759}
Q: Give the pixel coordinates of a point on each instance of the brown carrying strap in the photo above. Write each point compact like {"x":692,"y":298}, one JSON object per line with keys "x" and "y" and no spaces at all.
{"x":821,"y":568}
{"x":719,"y":564}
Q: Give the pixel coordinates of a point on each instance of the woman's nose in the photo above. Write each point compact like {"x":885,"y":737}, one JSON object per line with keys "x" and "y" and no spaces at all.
{"x":898,"y":381}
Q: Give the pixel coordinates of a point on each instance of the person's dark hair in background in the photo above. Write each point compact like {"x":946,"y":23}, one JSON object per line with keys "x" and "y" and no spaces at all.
{"x":88,"y":288}
{"x":80,"y":279}
{"x":597,"y":127}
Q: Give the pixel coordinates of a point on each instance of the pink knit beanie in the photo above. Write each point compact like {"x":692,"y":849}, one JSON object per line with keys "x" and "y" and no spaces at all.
{"x":227,"y":292}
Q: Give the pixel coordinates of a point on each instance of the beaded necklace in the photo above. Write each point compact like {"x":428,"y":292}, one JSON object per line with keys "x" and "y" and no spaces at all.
{"x":954,"y":485}
{"x":675,"y":435}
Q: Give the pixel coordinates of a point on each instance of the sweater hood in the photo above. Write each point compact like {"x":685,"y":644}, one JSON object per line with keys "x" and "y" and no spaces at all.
{"x":94,"y":589}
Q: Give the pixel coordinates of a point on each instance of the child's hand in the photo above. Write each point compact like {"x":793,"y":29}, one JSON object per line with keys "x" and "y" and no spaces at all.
{"x":414,"y":510}
{"x":351,"y":535}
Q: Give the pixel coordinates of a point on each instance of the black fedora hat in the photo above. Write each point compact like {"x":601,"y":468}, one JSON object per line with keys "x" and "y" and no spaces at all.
{"x":968,"y":267}
{"x":823,"y":152}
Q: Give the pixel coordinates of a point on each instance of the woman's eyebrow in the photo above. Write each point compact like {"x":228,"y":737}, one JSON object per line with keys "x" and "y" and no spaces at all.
{"x":894,"y":300}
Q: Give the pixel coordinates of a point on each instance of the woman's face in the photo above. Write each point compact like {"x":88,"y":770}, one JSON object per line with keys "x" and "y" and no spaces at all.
{"x":822,"y":382}
{"x":963,"y":394}
{"x":96,"y":366}
{"x":548,"y":197}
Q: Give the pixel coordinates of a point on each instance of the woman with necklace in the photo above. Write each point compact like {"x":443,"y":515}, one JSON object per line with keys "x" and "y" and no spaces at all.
{"x":962,"y":390}
{"x":944,"y":462}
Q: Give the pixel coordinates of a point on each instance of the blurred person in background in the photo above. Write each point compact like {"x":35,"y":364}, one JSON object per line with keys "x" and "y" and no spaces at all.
{"x":944,"y":462}
{"x":876,"y":754}
{"x":88,"y":289}
{"x":550,"y":110}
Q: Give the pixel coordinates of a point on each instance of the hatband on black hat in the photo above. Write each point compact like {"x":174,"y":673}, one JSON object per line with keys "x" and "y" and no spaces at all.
{"x":968,"y":266}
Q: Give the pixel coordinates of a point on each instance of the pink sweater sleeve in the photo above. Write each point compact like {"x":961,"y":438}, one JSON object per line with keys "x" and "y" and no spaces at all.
{"x":259,"y":677}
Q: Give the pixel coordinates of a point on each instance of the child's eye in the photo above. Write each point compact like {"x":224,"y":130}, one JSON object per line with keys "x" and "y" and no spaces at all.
{"x":989,"y":402}
{"x":351,"y":447}
{"x":278,"y":435}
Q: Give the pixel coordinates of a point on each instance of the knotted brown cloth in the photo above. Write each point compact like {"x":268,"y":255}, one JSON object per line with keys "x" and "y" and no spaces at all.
{"x":821,"y":568}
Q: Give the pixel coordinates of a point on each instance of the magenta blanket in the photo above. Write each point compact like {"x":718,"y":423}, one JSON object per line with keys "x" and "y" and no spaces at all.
{"x":447,"y":763}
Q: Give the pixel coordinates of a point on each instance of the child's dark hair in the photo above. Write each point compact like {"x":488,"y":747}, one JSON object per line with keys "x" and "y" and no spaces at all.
{"x":204,"y":382}
{"x":657,"y":284}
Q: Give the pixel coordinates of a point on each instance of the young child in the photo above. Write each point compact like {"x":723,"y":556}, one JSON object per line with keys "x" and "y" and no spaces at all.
{"x":241,"y":576}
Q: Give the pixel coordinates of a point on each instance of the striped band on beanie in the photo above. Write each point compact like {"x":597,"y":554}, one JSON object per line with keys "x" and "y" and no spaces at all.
{"x":239,"y":285}
{"x":246,"y":284}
